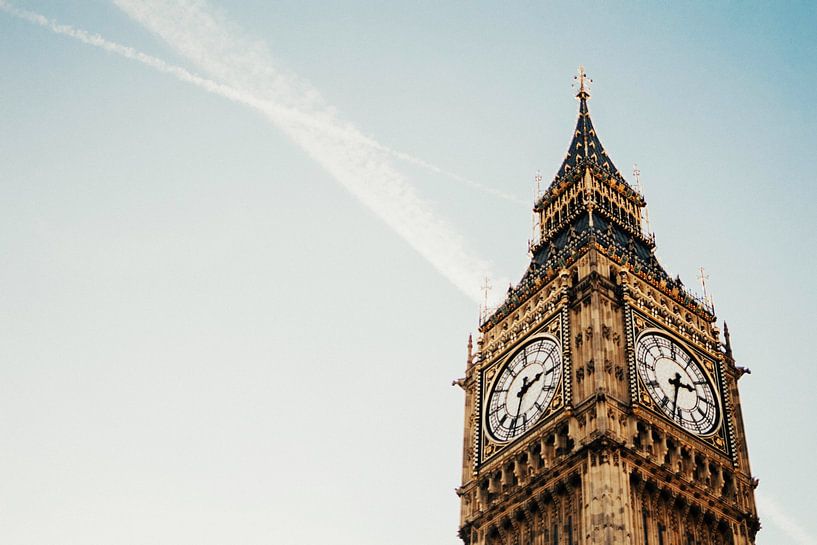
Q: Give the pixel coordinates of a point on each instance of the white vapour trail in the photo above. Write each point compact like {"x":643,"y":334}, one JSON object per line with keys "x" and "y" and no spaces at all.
{"x":229,"y":92}
{"x":485,"y":189}
{"x":770,"y":511}
{"x":191,"y":29}
{"x":131,"y":53}
{"x":356,"y":161}
{"x":210,"y":43}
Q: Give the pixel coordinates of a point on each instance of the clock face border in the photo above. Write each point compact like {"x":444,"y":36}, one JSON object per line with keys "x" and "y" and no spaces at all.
{"x":721,"y":436}
{"x":545,"y":381}
{"x":553,"y":328}
{"x":700,"y":371}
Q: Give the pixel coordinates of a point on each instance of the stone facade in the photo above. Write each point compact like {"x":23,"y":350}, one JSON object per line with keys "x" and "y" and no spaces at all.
{"x":614,"y":457}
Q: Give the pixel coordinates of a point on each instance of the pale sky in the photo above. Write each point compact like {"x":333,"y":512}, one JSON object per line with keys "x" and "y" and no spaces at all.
{"x":242,"y":244}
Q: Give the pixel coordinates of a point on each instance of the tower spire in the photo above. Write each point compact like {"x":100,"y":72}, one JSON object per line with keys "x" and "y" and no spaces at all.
{"x":585,"y":146}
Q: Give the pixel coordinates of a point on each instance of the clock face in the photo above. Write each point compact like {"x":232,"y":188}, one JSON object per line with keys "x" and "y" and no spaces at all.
{"x":523,"y":389}
{"x":676,"y":383}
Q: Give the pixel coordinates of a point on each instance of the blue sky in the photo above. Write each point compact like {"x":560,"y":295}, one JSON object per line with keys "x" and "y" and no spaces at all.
{"x":237,"y":285}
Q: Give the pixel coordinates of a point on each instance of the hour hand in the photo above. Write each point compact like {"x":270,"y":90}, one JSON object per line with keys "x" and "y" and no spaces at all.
{"x":524,"y":388}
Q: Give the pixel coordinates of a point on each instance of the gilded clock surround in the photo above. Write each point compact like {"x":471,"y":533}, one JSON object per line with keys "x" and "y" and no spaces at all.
{"x":603,"y":465}
{"x":711,"y":359}
{"x":704,"y":371}
{"x":488,"y":446}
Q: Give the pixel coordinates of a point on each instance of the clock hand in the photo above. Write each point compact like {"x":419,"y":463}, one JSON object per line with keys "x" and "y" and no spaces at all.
{"x":678,"y":385}
{"x":520,"y":394}
{"x":524,"y":388}
{"x":536,"y":377}
{"x":675,"y":402}
{"x":518,"y":408}
{"x":526,"y":385}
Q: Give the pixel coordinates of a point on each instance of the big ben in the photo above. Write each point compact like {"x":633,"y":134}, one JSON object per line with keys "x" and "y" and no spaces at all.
{"x":601,"y":405}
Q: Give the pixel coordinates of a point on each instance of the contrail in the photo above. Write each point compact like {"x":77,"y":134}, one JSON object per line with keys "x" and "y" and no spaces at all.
{"x":356,"y":161}
{"x":485,"y":189}
{"x":258,"y":72}
{"x":133,"y":54}
{"x":229,"y":92}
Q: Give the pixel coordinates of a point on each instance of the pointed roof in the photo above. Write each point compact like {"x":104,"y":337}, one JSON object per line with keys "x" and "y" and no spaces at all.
{"x":591,"y":219}
{"x":585,"y":145}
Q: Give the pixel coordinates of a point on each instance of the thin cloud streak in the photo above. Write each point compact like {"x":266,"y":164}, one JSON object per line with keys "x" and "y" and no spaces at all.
{"x":485,"y":189}
{"x":132,"y":54}
{"x":358,"y":162}
{"x":230,"y":93}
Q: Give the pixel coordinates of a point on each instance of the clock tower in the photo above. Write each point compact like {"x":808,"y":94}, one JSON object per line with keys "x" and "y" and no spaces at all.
{"x":601,"y":406}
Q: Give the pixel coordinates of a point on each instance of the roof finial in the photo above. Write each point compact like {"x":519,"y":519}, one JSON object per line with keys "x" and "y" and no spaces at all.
{"x":584,"y":83}
{"x":703,"y":277}
{"x":728,"y":340}
{"x":534,"y":226}
{"x":486,"y":288}
{"x":637,"y":176}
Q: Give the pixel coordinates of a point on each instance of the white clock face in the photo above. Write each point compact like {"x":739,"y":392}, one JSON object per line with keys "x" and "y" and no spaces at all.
{"x":524,"y":389}
{"x":676,"y":383}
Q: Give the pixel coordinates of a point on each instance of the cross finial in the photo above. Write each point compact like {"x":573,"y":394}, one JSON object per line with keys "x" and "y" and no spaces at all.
{"x":640,"y":188}
{"x":703,"y":277}
{"x":486,"y":287}
{"x":584,"y":83}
